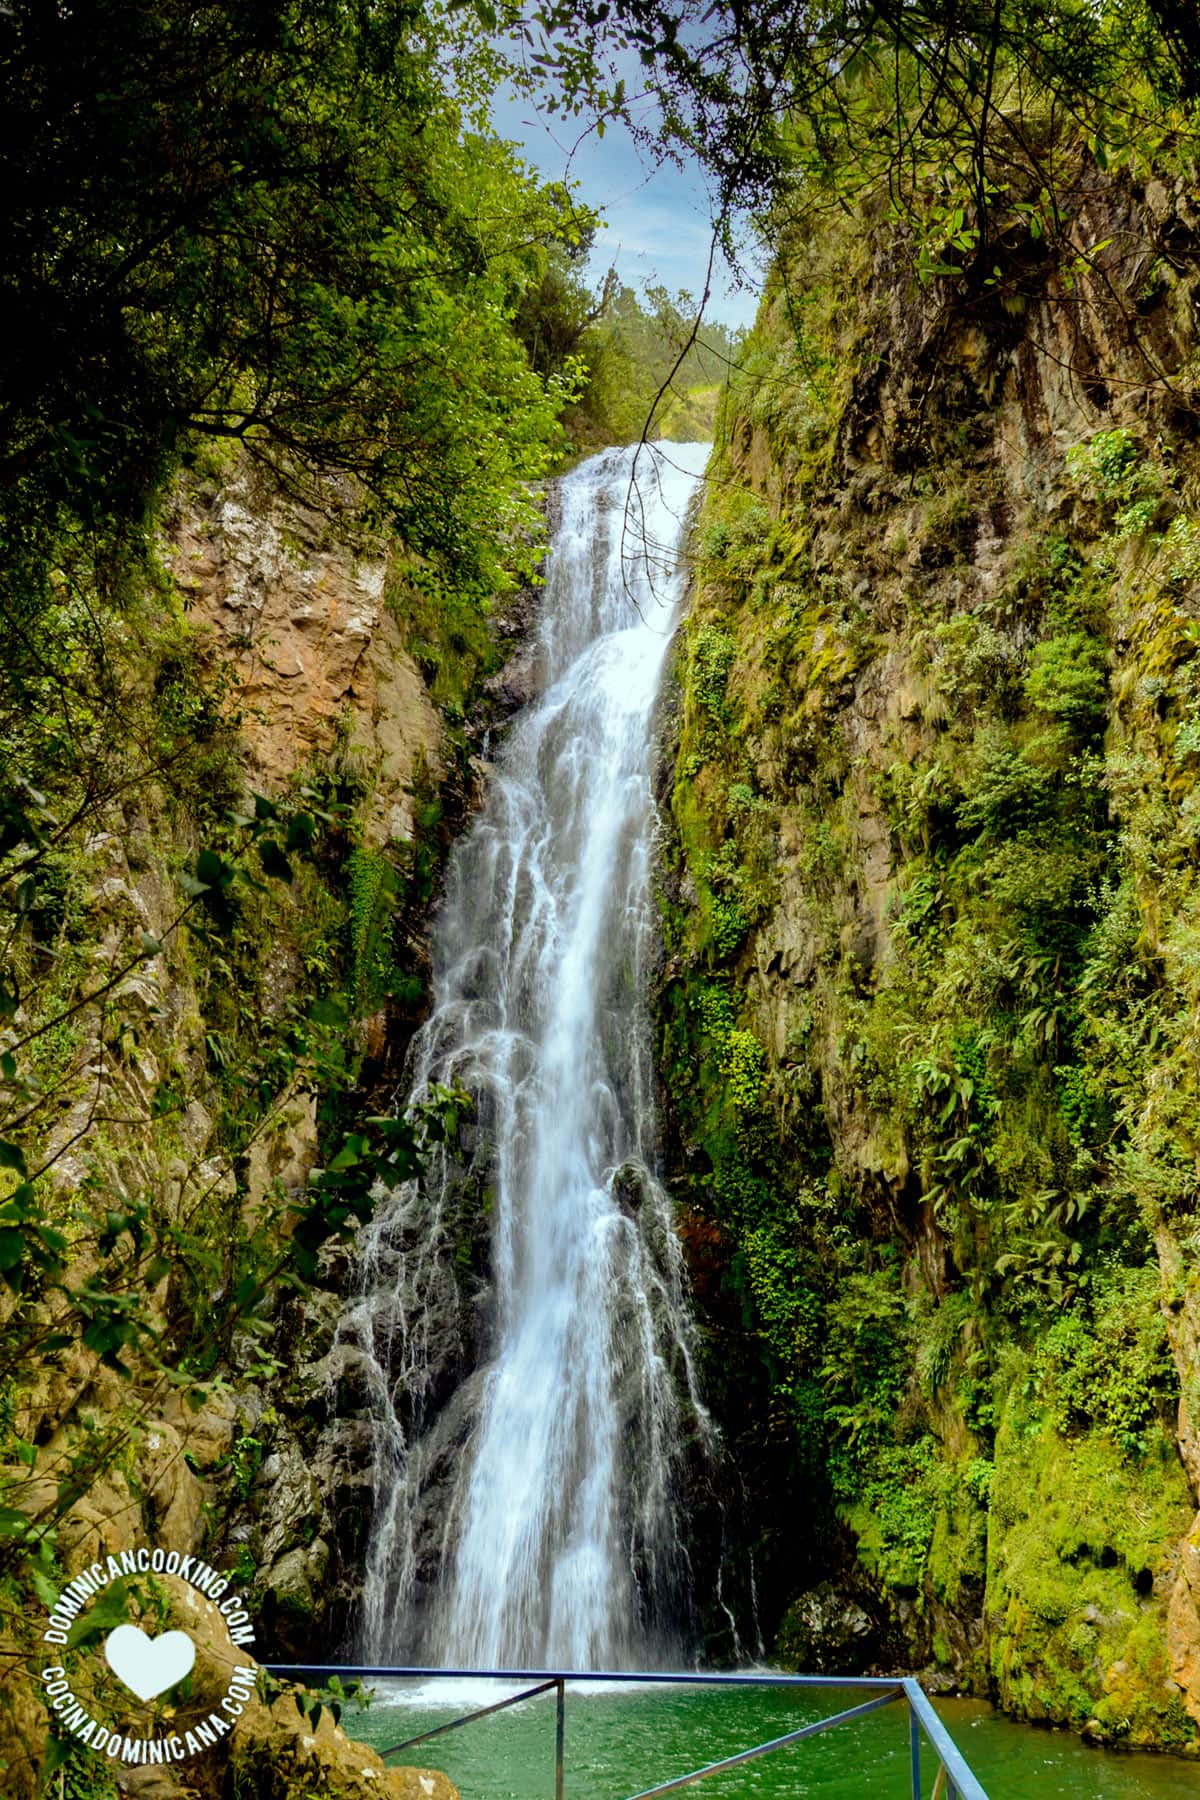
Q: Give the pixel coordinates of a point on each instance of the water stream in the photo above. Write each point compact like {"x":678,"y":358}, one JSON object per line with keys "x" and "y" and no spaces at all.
{"x":524,"y":1489}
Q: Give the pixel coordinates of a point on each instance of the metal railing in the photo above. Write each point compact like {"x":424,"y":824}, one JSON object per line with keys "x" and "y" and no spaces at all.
{"x":953,"y":1779}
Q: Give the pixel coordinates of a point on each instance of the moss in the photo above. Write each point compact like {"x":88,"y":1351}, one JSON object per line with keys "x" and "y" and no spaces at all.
{"x":743,"y":1063}
{"x":928,"y":1031}
{"x":83,"y":1775}
{"x":689,"y":416}
{"x":1111,"y":1367}
{"x":894,"y":1514}
{"x":1141,"y":1704}
{"x":957,"y":1554}
{"x":371,"y":883}
{"x":449,"y":635}
{"x":1079,"y":1541}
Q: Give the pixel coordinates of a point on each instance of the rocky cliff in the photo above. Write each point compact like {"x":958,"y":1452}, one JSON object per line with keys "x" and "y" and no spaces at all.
{"x":190,"y":1072}
{"x":928,"y":1016}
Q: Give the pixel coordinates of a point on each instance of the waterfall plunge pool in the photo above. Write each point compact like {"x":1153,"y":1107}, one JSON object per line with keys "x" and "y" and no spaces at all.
{"x":618,"y":1743}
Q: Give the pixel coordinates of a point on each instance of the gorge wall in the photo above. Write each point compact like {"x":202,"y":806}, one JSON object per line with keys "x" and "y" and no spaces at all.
{"x":272,"y":650}
{"x":929,"y":1007}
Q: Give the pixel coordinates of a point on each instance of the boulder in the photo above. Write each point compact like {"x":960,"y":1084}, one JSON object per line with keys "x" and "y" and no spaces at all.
{"x":289,"y":1759}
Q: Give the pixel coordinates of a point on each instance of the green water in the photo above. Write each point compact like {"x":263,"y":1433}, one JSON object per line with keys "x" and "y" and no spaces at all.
{"x":618,"y":1743}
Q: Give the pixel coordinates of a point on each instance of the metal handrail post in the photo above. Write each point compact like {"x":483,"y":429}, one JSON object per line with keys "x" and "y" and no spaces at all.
{"x":914,"y":1752}
{"x":953,"y":1780}
{"x":960,"y":1783}
{"x":482,"y":1712}
{"x":560,"y":1725}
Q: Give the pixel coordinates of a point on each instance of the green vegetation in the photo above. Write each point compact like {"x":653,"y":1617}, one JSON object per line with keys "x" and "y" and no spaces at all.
{"x":275,"y":245}
{"x":649,"y":366}
{"x":945,"y":118}
{"x":278,"y":238}
{"x":931,"y":923}
{"x":334,"y":248}
{"x":932,"y":916}
{"x":1078,"y":1539}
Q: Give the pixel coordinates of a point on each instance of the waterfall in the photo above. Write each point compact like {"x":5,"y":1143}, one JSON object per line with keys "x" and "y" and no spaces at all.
{"x":524,"y":1507}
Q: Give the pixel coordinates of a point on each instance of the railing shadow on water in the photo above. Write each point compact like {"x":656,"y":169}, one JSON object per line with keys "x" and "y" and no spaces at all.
{"x":953,"y":1779}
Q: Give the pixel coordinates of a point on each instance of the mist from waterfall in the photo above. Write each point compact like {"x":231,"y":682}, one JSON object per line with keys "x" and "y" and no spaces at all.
{"x":525,"y":1514}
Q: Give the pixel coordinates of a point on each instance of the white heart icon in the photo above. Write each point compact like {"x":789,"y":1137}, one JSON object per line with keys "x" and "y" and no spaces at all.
{"x":148,"y":1666}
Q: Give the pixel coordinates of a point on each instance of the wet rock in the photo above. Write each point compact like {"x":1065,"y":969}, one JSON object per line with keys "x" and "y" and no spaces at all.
{"x":520,"y":680}
{"x":1183,"y":1621}
{"x":345,"y":1376}
{"x":291,"y":1508}
{"x":825,"y":1630}
{"x":289,"y":1605}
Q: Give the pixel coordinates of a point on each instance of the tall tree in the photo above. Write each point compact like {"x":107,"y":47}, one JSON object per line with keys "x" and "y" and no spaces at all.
{"x":265,"y":222}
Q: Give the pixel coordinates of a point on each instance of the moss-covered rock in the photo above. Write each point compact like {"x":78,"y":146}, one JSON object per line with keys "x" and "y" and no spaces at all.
{"x":1081,"y":1563}
{"x":928,"y":1011}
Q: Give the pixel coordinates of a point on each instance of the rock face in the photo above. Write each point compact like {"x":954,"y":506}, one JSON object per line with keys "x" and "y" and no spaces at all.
{"x":825,"y":1630}
{"x":300,"y":620}
{"x":290,"y":636}
{"x":930,"y":901}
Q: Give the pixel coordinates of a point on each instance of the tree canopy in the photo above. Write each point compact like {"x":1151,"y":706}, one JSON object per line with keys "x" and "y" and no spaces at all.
{"x":961,"y":101}
{"x":265,"y":222}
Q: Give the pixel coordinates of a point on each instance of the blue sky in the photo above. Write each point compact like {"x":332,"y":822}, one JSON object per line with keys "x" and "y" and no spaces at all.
{"x":657,"y":219}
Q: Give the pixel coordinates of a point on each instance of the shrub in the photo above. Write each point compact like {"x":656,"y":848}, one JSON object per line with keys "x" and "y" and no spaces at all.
{"x":1068,"y":680}
{"x":1009,"y":793}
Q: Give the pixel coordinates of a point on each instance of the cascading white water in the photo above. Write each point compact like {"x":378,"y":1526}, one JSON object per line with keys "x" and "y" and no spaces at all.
{"x":527,"y":1518}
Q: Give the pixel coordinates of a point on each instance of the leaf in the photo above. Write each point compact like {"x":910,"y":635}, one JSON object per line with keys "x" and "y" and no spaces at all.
{"x":103,"y":1616}
{"x":300,"y":832}
{"x":43,"y":1587}
{"x":52,"y":1241}
{"x":55,"y":1753}
{"x":12,"y":1157}
{"x":247,"y":1289}
{"x":274,"y":862}
{"x":350,"y":1154}
{"x":12,"y":1248}
{"x":13,"y":1524}
{"x":213,"y":870}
